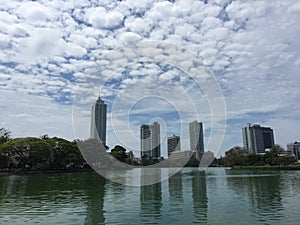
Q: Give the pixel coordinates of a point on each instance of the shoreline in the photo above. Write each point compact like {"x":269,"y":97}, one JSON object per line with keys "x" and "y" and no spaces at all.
{"x":6,"y":172}
{"x":275,"y":168}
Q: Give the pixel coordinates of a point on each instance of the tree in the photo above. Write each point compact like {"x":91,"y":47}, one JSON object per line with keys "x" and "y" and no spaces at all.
{"x":40,"y":154}
{"x":285,"y":160}
{"x":66,"y":154}
{"x":235,"y":156}
{"x":193,"y":162}
{"x":4,"y":135}
{"x":277,"y":148}
{"x":274,"y":157}
{"x":254,"y":160}
{"x":271,"y":156}
{"x":119,"y":153}
{"x":29,"y":153}
{"x":45,"y":136}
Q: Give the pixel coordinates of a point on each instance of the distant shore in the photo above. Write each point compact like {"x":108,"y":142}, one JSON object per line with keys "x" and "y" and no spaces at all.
{"x":266,"y":167}
{"x":5,"y":171}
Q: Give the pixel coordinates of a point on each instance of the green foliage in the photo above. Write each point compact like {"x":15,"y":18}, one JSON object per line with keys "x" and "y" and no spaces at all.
{"x":269,"y":157}
{"x":277,"y":149}
{"x":193,"y":162}
{"x":31,"y":153}
{"x":254,"y":160}
{"x":147,"y":161}
{"x":40,"y":154}
{"x":237,"y":156}
{"x":4,"y":159}
{"x":119,"y":153}
{"x":66,"y":154}
{"x":274,"y":157}
{"x":4,"y":135}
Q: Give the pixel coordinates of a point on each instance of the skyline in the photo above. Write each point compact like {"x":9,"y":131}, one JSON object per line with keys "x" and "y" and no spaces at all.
{"x":51,"y":51}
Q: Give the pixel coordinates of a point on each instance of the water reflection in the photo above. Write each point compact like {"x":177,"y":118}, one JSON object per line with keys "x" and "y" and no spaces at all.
{"x":58,"y":196}
{"x":175,"y":193}
{"x":95,"y":200}
{"x":200,"y":200}
{"x":190,"y":196}
{"x":263,"y":192}
{"x":150,"y":198}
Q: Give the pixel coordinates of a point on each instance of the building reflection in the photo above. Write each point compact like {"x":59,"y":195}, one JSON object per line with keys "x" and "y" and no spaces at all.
{"x":199,"y":195}
{"x":150,"y":196}
{"x":175,"y":193}
{"x":95,"y":192}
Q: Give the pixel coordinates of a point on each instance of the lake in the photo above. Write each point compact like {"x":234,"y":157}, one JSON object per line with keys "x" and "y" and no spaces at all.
{"x":214,"y":196}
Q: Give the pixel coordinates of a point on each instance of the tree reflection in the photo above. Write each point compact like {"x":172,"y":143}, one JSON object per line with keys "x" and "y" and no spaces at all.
{"x":263,"y":193}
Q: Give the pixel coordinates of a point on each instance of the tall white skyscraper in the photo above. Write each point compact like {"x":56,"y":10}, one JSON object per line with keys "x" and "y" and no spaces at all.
{"x":150,"y":140}
{"x":196,"y":138}
{"x":98,"y":121}
{"x":256,"y":138}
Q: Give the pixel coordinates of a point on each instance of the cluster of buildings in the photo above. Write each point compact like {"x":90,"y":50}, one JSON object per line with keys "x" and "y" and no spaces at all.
{"x":151,"y":144}
{"x":149,"y":134}
{"x":256,"y":139}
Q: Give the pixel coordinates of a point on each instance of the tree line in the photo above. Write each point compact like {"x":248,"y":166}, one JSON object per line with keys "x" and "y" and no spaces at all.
{"x":239,"y":156}
{"x":44,"y":153}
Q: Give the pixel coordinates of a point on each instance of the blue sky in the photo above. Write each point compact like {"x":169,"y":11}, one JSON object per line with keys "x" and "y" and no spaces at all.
{"x":57,"y":55}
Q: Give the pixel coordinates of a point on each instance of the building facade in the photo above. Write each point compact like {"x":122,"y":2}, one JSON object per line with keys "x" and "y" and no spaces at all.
{"x":150,"y":140}
{"x":294,"y":148}
{"x":98,"y":121}
{"x":196,"y":138}
{"x":173,"y":144}
{"x":257,"y":139}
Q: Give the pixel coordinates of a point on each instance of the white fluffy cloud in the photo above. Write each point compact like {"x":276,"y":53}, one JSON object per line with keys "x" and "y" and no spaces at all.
{"x":103,"y":19}
{"x":130,"y":37}
{"x":34,"y":12}
{"x":42,"y":42}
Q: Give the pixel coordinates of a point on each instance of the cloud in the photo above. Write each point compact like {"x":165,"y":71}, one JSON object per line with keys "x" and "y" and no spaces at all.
{"x":42,"y":43}
{"x":100,"y":18}
{"x":48,"y":48}
{"x":4,"y":41}
{"x":8,"y":18}
{"x":34,"y":12}
{"x":130,"y":37}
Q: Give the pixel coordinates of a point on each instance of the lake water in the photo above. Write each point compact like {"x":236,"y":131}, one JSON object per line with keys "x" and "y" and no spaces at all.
{"x":216,"y":196}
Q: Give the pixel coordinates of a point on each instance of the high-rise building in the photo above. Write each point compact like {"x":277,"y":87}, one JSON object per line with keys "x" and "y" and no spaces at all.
{"x":294,"y":148}
{"x":196,"y":138}
{"x":257,"y":139}
{"x":98,"y":121}
{"x":173,"y":144}
{"x":150,"y":140}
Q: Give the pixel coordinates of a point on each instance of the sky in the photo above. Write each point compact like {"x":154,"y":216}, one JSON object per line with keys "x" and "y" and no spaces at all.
{"x":225,"y":63}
